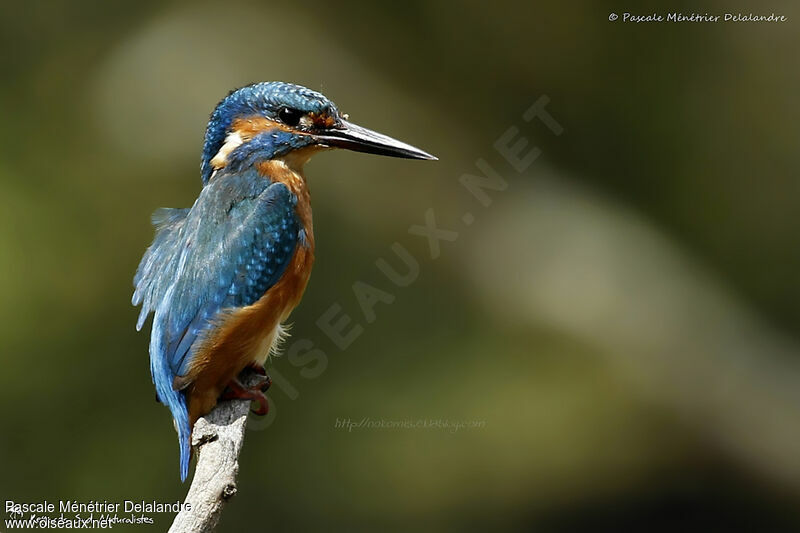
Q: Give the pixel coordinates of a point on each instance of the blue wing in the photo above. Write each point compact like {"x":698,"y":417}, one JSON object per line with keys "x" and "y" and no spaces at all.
{"x":223,"y":253}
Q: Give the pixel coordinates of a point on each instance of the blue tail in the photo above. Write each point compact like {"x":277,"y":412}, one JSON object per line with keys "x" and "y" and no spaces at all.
{"x":181,"y":416}
{"x":175,"y":400}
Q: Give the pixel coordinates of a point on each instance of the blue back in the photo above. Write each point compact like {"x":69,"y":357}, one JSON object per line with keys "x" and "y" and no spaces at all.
{"x":223,"y":253}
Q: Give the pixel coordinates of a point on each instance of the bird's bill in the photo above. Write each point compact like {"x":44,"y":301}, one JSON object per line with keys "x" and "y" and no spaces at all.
{"x":354,"y":137}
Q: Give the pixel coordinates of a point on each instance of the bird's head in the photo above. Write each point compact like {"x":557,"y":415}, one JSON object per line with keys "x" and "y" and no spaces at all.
{"x":276,"y":120}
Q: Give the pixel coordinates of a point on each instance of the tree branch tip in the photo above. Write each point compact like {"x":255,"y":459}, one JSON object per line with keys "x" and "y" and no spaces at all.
{"x":217,"y":440}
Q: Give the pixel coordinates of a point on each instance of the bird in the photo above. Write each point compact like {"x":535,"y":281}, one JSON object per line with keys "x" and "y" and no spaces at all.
{"x":221,"y":277}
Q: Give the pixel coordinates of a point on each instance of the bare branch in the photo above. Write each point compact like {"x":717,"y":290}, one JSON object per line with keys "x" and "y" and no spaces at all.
{"x":217,"y":438}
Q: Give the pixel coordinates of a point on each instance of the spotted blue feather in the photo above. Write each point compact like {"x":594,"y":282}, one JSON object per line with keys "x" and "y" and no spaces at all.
{"x":223,"y":253}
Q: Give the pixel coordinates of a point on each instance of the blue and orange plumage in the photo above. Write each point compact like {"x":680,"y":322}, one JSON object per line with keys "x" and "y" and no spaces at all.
{"x":222,"y":276}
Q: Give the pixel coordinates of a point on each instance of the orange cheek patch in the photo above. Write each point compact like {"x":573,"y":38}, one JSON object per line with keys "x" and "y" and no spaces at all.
{"x":243,"y":130}
{"x":322,"y":121}
{"x":249,"y":127}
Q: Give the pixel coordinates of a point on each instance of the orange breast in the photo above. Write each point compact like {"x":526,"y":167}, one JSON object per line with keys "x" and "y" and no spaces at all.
{"x":239,"y":337}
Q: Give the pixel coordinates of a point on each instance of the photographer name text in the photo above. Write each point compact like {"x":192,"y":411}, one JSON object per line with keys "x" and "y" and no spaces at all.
{"x":678,"y":17}
{"x":95,"y":506}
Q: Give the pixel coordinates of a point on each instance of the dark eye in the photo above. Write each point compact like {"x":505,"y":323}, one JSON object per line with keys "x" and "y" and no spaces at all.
{"x":290,"y":116}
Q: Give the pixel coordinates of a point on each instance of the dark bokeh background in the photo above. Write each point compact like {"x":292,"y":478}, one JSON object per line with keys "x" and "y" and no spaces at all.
{"x":621,"y":323}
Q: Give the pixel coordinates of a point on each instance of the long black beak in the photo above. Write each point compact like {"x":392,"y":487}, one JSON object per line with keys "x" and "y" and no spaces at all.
{"x":353,"y":137}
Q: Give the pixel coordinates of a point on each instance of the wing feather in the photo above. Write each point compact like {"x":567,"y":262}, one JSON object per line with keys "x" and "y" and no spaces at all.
{"x":225,"y":252}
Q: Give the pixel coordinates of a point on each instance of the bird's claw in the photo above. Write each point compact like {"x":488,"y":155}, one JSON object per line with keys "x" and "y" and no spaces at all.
{"x":258,"y":369}
{"x":263,"y":384}
{"x":236,"y":391}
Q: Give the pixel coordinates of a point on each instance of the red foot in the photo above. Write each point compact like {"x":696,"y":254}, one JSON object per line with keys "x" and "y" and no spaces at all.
{"x":236,"y":391}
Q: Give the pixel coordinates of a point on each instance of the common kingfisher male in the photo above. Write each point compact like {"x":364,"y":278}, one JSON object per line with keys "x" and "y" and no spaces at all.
{"x":222,"y":276}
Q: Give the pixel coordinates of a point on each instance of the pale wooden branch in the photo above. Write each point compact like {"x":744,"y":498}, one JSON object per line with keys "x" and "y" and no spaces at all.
{"x":217,"y":438}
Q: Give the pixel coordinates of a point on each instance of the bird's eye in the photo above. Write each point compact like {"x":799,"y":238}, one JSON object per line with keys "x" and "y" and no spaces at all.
{"x":290,"y":116}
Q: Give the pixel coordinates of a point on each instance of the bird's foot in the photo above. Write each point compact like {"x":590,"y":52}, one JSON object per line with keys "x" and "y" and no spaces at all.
{"x":263,"y":384}
{"x":236,"y":391}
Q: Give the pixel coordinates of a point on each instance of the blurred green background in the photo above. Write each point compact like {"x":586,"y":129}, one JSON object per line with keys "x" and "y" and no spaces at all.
{"x":621,"y":322}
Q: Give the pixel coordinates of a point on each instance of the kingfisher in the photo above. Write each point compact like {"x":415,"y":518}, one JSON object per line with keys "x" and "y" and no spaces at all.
{"x":222,"y":276}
